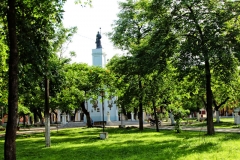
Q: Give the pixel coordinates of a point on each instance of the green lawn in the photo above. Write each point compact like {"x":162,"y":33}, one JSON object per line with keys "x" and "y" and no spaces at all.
{"x":129,"y":144}
{"x":224,"y":123}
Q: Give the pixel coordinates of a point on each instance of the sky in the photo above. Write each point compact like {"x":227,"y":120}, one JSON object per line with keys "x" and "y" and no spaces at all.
{"x":89,"y":20}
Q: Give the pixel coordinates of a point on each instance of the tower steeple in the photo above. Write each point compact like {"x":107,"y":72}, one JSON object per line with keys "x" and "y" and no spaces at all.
{"x":98,"y":56}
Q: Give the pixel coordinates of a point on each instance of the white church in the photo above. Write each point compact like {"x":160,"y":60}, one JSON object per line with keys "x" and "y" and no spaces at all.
{"x":109,"y":111}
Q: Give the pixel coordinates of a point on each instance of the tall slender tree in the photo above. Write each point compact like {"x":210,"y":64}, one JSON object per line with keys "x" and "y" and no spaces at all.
{"x":10,"y":143}
{"x":129,"y":32}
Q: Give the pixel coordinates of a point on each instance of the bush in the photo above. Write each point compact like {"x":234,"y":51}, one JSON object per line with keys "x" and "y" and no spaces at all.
{"x":178,"y":115}
{"x":161,"y":116}
{"x":2,"y":128}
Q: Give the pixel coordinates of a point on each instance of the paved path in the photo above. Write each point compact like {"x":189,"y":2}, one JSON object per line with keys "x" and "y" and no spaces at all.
{"x":200,"y":129}
{"x":116,"y":124}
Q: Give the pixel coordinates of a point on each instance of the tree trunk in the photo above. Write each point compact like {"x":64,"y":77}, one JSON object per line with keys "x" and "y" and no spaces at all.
{"x":46,"y":113}
{"x":217,"y":108}
{"x":82,"y":104}
{"x":140,"y":114}
{"x":56,"y":114}
{"x":35,"y":115}
{"x":50,"y":118}
{"x":155,"y":115}
{"x":124,"y":110}
{"x":10,"y":136}
{"x":18,"y":120}
{"x":24,"y":120}
{"x":31,"y":120}
{"x":198,"y":116}
{"x":217,"y":117}
{"x":75,"y":114}
{"x":161,"y":109}
{"x":135,"y":110}
{"x":122,"y":119}
{"x":39,"y":113}
{"x":210,"y":126}
{"x":172,"y":118}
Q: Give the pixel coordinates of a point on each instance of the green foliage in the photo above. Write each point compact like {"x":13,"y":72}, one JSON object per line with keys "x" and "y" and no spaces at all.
{"x":139,"y":33}
{"x":179,"y":113}
{"x":41,"y":36}
{"x":23,"y":109}
{"x":3,"y":68}
{"x":81,"y":83}
{"x":126,"y":81}
{"x":85,"y":2}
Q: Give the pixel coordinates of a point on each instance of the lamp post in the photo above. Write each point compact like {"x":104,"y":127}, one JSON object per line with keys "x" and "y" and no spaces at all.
{"x":102,"y":94}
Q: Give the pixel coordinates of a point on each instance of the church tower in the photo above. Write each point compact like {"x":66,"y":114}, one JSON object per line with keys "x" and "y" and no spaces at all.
{"x":98,"y":55}
{"x":108,"y":109}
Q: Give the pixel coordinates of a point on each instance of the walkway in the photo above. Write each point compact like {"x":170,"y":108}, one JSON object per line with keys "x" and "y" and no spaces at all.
{"x":200,"y":129}
{"x":165,"y":126}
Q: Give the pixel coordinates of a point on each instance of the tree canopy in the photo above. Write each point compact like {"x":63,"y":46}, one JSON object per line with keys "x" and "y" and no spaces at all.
{"x":198,"y":38}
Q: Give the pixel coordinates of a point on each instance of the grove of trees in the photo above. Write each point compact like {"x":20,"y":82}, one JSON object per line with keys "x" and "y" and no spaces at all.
{"x":180,"y":56}
{"x":185,"y":52}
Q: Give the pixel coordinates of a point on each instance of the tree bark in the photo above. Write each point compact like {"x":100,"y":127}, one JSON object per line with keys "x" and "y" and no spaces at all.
{"x":135,"y":110}
{"x":210,"y":125}
{"x":124,"y":110}
{"x":217,"y":117}
{"x":56,"y":114}
{"x":10,"y":137}
{"x":46,"y":113}
{"x":39,"y":114}
{"x":217,"y":108}
{"x":198,"y":116}
{"x":140,"y":114}
{"x":35,"y":115}
{"x":89,"y":124}
{"x":161,"y":109}
{"x":24,"y":119}
{"x":75,"y":114}
{"x":155,"y":115}
{"x":172,"y":118}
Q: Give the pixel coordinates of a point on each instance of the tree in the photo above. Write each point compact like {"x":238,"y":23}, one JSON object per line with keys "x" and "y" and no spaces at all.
{"x":200,"y":27}
{"x":61,"y":37}
{"x":225,"y":94}
{"x":10,"y":144}
{"x":129,"y":32}
{"x":33,"y":28}
{"x":153,"y":84}
{"x":128,"y":84}
{"x":83,"y":82}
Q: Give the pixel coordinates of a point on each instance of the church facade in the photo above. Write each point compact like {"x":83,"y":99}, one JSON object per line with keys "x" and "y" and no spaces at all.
{"x":106,"y":109}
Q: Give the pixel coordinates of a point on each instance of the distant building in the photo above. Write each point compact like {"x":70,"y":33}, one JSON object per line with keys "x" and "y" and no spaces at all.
{"x":95,"y":107}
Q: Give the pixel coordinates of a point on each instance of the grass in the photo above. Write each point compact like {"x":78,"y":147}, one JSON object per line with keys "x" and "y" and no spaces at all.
{"x":129,"y":144}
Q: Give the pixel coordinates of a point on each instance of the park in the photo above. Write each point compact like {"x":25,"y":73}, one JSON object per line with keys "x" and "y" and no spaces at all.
{"x":130,"y":143}
{"x":171,"y":91}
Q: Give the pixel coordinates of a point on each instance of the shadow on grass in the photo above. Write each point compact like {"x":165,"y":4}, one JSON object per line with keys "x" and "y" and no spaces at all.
{"x":134,"y":149}
{"x":230,"y":136}
{"x":122,"y":144}
{"x":216,"y":125}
